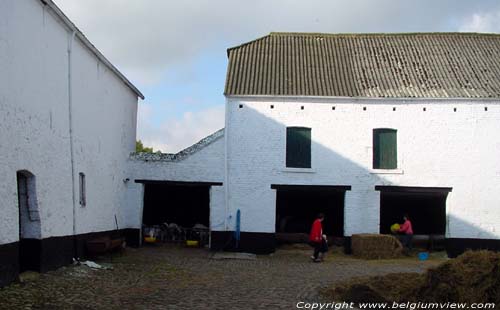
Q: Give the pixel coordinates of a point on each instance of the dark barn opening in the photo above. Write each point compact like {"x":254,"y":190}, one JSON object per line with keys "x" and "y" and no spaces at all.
{"x":298,"y":206}
{"x":426,"y":208}
{"x":184,"y":205}
{"x":29,"y":223}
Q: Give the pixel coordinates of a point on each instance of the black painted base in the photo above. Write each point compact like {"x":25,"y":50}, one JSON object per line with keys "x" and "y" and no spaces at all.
{"x":456,"y":246}
{"x":132,"y":236}
{"x":51,"y":253}
{"x":9,"y":263}
{"x":258,"y":243}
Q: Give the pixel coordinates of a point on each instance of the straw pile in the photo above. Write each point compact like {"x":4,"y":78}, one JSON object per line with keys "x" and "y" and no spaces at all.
{"x":473,"y":277}
{"x":392,"y":287}
{"x":375,"y":246}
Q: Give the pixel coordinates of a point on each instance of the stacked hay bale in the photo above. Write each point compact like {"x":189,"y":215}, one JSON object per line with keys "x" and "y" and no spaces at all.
{"x":375,"y":246}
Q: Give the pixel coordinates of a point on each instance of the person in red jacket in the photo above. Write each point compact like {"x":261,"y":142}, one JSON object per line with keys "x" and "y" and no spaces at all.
{"x":317,"y":239}
{"x":407,"y":230}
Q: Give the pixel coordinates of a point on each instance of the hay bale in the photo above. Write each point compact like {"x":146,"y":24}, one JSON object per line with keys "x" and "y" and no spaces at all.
{"x":375,"y":246}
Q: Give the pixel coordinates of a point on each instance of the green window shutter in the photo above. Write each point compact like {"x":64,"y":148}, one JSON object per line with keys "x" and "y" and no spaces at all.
{"x":385,"y":149}
{"x":298,"y":147}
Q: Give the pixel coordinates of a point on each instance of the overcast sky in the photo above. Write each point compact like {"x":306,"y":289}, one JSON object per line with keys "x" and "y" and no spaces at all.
{"x":175,"y":51}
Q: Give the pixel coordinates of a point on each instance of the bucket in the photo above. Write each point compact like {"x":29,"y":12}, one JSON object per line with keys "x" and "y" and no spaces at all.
{"x":423,"y":255}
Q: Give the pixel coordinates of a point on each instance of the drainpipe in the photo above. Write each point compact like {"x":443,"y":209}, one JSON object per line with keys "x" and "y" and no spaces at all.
{"x":70,"y":116}
{"x":226,"y":165}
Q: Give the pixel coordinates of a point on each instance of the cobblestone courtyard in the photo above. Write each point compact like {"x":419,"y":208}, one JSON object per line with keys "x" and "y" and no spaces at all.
{"x":173,"y":277}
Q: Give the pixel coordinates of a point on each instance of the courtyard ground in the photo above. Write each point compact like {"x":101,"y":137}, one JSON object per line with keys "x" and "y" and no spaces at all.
{"x":175,"y":277}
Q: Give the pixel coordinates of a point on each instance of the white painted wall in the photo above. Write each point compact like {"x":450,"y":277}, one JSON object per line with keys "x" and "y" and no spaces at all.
{"x":205,"y":165}
{"x":104,"y":123}
{"x":436,"y":148}
{"x":34,"y":125}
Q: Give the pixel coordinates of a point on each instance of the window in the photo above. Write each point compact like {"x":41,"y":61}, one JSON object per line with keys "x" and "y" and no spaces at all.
{"x":298,"y":147}
{"x":83,"y":198}
{"x":385,"y":149}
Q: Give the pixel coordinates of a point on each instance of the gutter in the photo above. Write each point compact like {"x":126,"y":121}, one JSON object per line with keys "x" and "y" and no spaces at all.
{"x":375,"y":100}
{"x":70,"y":116}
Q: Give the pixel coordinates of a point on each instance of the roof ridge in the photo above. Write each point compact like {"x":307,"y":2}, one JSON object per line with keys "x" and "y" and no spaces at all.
{"x":390,"y":34}
{"x":182,"y":154}
{"x":360,"y":34}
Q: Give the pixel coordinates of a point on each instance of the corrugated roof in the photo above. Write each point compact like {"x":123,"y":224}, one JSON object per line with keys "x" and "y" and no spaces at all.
{"x":406,"y":65}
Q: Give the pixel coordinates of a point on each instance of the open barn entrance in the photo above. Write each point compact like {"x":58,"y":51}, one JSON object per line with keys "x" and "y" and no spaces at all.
{"x":176,"y":211}
{"x":425,"y":206}
{"x":298,"y":205}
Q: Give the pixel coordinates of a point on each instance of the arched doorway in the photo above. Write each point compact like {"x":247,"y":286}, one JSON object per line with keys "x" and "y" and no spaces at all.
{"x":29,"y":222}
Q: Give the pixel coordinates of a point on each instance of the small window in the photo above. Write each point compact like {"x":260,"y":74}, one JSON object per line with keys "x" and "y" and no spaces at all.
{"x":385,"y":149}
{"x":83,"y":198}
{"x":298,"y":147}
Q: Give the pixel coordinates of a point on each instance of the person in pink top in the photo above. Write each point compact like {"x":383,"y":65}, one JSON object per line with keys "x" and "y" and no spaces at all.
{"x":407,"y":230}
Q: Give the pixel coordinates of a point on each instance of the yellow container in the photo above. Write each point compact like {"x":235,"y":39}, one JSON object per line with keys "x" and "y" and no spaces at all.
{"x":395,"y":228}
{"x":192,"y":243}
{"x":150,"y":239}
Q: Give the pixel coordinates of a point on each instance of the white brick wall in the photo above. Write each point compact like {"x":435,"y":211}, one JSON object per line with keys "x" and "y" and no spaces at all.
{"x":34,"y":124}
{"x":436,"y":148}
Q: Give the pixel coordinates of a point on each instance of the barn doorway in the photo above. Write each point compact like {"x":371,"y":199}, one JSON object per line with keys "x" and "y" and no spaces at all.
{"x":425,"y":206}
{"x":29,"y":222}
{"x":298,"y":205}
{"x":177,"y":211}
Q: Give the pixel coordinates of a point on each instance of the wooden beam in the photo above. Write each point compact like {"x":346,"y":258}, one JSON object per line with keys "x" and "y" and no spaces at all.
{"x":178,"y":183}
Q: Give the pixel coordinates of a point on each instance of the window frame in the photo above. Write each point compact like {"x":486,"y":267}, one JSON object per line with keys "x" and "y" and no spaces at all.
{"x":292,"y":166}
{"x":82,"y":189}
{"x":377,"y":163}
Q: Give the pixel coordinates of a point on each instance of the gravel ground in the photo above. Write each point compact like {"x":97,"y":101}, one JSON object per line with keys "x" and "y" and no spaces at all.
{"x":174,"y":277}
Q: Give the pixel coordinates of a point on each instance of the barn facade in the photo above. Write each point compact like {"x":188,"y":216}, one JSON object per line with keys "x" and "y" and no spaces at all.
{"x":364,"y":128}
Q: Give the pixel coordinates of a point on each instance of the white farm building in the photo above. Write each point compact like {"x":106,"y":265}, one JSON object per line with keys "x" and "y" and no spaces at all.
{"x":361,"y":127}
{"x":68,"y":125}
{"x":366,"y":128}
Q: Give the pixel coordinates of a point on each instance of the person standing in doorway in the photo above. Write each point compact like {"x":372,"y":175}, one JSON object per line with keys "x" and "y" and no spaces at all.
{"x":407,"y":230}
{"x":318,"y":240}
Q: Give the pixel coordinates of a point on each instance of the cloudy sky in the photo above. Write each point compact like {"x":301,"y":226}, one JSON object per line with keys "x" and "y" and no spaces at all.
{"x":175,"y":51}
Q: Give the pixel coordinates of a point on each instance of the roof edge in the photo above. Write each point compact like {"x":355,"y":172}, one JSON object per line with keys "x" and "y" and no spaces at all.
{"x":420,"y":99}
{"x":247,"y":43}
{"x":174,"y":157}
{"x":90,"y":46}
